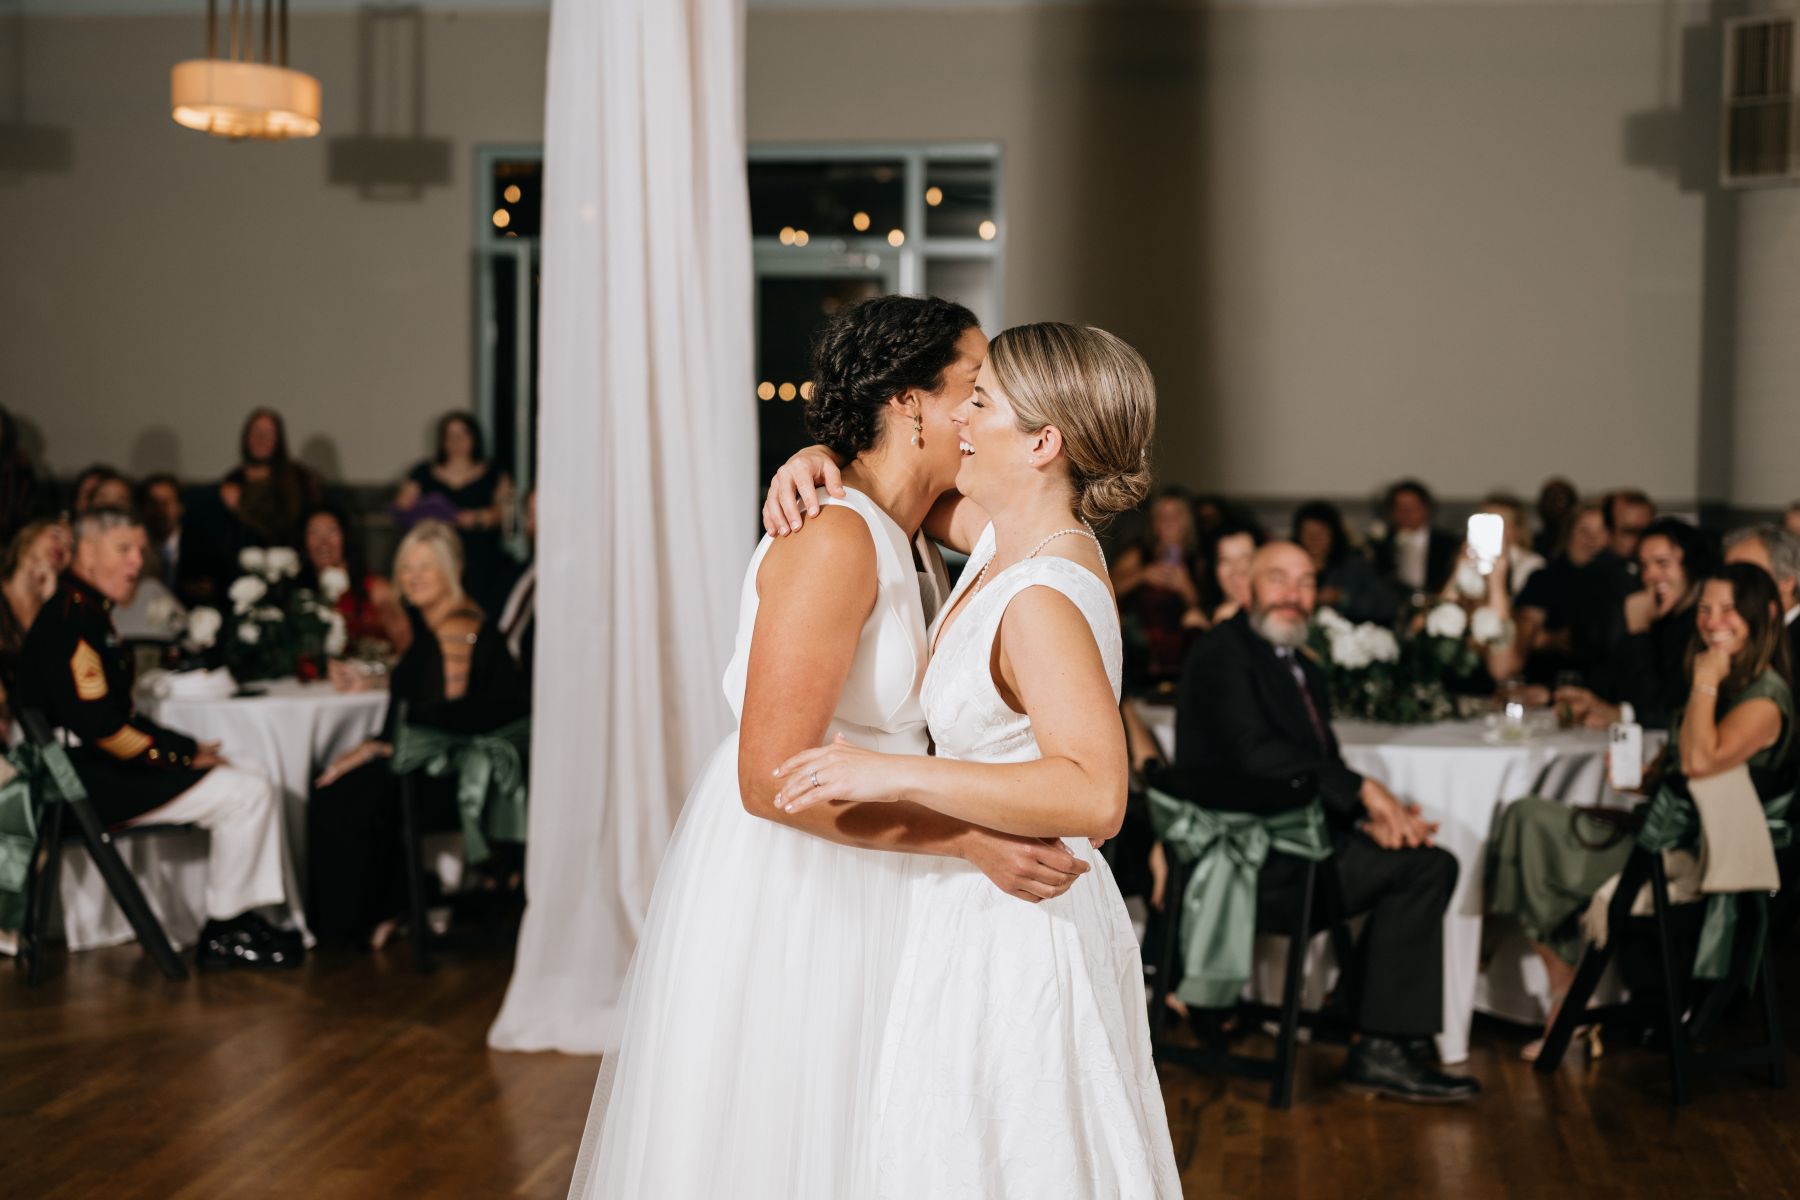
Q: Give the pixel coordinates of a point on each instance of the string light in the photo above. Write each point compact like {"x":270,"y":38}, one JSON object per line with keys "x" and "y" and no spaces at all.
{"x":788,"y":391}
{"x":502,"y":218}
{"x":806,"y":390}
{"x":801,"y":237}
{"x":895,"y":237}
{"x":786,"y":235}
{"x":513,"y":193}
{"x":988,"y":231}
{"x":861,"y":222}
{"x":765,"y":390}
{"x":934,"y":196}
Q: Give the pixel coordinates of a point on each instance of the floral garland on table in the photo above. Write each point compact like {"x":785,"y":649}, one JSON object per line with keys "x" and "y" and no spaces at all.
{"x":1374,"y":675}
{"x":277,"y":628}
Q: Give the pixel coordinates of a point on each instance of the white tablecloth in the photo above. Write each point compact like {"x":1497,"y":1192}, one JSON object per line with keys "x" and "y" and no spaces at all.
{"x":1460,"y":780}
{"x":290,"y":733}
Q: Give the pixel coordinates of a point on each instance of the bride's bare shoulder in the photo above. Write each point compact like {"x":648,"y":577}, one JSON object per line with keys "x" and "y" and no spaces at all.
{"x":832,"y":553}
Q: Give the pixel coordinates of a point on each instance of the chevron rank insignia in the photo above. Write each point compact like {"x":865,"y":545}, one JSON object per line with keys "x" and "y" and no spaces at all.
{"x":90,"y":674}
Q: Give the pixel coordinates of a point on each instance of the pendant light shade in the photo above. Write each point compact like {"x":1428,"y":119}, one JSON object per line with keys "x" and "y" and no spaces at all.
{"x":250,"y":92}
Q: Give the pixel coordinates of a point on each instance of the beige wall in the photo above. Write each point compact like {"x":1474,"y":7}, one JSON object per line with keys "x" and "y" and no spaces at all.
{"x":1353,"y":241}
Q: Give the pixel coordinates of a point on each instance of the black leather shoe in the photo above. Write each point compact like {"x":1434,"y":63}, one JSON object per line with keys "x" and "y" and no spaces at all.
{"x":274,"y":935}
{"x":1381,"y":1066}
{"x":240,"y":943}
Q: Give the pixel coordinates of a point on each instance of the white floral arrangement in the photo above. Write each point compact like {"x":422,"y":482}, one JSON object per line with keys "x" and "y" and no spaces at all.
{"x":275,"y":626}
{"x":1375,"y":675}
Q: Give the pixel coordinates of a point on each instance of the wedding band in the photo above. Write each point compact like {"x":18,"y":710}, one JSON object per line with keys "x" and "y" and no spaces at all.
{"x":815,"y":778}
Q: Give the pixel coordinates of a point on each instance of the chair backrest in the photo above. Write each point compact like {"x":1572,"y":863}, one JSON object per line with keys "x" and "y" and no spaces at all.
{"x":1227,"y":790}
{"x":36,"y":727}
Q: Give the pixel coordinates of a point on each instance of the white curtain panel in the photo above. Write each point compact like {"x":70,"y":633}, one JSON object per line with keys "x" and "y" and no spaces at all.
{"x":646,"y":502}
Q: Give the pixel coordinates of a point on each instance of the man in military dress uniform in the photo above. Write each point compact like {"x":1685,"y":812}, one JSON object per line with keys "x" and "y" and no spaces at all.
{"x":74,"y":669}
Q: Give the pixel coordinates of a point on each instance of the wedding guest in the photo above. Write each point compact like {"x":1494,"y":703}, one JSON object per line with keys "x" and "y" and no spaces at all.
{"x":1230,"y":550}
{"x":518,"y":616}
{"x":1412,"y":553}
{"x":1211,"y":512}
{"x":1546,"y":860}
{"x":460,"y":485}
{"x":368,"y":603}
{"x":1790,"y":520}
{"x":191,"y":569}
{"x":1346,"y":580}
{"x":1157,"y":582}
{"x":28,"y":574}
{"x":20,"y":497}
{"x":1628,"y":513}
{"x":1646,"y":669}
{"x":1252,"y":704}
{"x":1521,"y":561}
{"x":268,"y":490}
{"x":1776,"y":551}
{"x":1557,"y":501}
{"x":456,"y":674}
{"x":1545,"y":606}
{"x":137,"y":772}
{"x":99,"y":486}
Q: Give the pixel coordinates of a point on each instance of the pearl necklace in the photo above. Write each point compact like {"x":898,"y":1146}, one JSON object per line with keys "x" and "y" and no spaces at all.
{"x":1086,"y":531}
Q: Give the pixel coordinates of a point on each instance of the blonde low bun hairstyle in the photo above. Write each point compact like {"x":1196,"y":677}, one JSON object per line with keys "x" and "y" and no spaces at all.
{"x":1099,"y":394}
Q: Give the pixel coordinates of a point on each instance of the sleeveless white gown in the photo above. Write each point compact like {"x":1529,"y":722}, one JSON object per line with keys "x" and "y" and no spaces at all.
{"x":1016,"y":1061}
{"x":754,"y":1006}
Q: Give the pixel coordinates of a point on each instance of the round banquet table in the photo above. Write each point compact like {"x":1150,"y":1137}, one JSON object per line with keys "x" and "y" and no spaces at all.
{"x":289,"y":733}
{"x":1459,"y":778}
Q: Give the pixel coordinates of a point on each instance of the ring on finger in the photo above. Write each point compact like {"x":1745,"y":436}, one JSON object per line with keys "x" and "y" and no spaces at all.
{"x":814,"y":775}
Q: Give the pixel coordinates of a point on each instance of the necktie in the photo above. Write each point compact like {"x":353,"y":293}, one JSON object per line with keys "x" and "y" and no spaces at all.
{"x":1312,"y":710}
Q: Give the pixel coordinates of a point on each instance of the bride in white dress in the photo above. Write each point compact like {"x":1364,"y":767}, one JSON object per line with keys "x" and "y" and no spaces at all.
{"x":754,"y":1008}
{"x":1016,"y":1060}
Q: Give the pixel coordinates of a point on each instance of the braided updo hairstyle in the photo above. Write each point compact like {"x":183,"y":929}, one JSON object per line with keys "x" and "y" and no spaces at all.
{"x":1098,"y":392}
{"x":870,"y":353}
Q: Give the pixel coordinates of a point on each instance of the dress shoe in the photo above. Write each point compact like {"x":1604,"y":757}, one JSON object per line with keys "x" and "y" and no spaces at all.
{"x":289,"y":939}
{"x":1383,"y":1066}
{"x":252,"y":944}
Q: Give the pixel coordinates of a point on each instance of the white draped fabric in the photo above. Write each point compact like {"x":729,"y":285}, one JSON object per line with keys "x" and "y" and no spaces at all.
{"x":647,"y":454}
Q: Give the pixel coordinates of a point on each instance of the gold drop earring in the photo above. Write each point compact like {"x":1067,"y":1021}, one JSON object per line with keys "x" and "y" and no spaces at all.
{"x":918,"y":436}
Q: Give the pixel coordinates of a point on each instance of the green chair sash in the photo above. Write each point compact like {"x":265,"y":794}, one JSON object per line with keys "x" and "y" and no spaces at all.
{"x":1225,"y":850}
{"x":1671,"y":822}
{"x":20,"y":810}
{"x":490,"y":777}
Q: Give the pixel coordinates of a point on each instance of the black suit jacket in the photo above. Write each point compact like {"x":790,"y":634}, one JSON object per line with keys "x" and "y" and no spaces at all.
{"x":1440,"y":558}
{"x":1240,"y":710}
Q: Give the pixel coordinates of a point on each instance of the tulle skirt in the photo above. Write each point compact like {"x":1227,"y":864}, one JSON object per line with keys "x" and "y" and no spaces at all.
{"x":752,"y":1014}
{"x":1017,"y":1057}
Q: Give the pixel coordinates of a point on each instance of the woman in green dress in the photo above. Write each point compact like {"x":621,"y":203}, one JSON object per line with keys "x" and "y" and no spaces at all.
{"x":1546,"y":859}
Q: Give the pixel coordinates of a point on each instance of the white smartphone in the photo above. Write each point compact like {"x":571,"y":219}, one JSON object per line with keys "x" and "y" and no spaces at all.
{"x":1625,"y":757}
{"x":1487,"y":539}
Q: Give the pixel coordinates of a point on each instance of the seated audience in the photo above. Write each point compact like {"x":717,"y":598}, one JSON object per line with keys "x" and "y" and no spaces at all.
{"x":28,"y":574}
{"x":1346,"y":580}
{"x":1646,"y":668}
{"x":455,"y":675}
{"x":518,"y":616}
{"x":374,"y":621}
{"x":1790,"y":520}
{"x":194,"y":570}
{"x":137,"y":772}
{"x":458,"y":484}
{"x":20,"y":498}
{"x":268,"y":490}
{"x":1251,"y":703}
{"x":1628,"y":513}
{"x":1557,"y":500}
{"x":1776,"y":551}
{"x":1411,"y":553}
{"x":1544,"y":607}
{"x":1229,"y":551}
{"x":99,"y":486}
{"x":1157,"y":582}
{"x":1546,"y":860}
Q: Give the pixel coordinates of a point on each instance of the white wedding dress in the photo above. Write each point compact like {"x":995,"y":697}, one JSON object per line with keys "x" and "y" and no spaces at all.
{"x":755,"y":1004}
{"x":1016,"y":1061}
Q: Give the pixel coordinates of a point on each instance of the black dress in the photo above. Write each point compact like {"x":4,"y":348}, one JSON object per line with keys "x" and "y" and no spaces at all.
{"x":355,"y":867}
{"x":487,"y":571}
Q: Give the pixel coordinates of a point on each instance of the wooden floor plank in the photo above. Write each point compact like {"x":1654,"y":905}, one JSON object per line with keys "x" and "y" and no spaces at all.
{"x":355,"y":1077}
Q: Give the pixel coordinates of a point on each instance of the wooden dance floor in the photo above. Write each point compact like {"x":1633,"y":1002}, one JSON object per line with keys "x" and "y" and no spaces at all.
{"x":355,"y":1077}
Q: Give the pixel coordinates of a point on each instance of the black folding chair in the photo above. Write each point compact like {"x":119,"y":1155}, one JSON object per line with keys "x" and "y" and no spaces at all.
{"x":1684,"y":1031}
{"x":46,"y":868}
{"x":1318,"y":878}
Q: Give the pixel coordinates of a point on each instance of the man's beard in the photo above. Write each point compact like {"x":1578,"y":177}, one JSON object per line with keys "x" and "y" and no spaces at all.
{"x":1287,"y":634}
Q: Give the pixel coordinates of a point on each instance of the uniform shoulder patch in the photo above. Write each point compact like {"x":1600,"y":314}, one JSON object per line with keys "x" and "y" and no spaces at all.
{"x":89,"y":672}
{"x":125,"y":742}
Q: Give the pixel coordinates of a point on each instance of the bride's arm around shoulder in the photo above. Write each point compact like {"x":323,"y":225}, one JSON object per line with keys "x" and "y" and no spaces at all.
{"x":814,"y":593}
{"x":1048,"y":668}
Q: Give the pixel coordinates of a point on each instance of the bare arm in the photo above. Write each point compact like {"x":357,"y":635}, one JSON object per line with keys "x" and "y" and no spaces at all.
{"x":1710,"y":746}
{"x":800,"y":656}
{"x":1049,"y":668}
{"x":956,"y":521}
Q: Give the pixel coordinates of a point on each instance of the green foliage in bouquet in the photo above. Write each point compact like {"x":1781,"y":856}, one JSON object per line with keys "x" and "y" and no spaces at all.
{"x":1375,"y":676}
{"x":276,"y":627}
